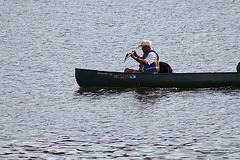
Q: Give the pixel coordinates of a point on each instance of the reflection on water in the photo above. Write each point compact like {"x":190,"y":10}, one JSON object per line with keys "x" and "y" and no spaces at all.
{"x":142,"y":94}
{"x":146,"y":95}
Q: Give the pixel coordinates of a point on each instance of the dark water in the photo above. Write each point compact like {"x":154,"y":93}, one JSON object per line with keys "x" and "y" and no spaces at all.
{"x":44,"y":114}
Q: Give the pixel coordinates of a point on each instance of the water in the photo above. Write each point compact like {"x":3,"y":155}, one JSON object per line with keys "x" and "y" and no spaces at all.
{"x":44,"y":114}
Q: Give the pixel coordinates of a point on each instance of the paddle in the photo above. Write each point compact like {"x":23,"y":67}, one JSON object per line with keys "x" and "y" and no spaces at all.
{"x":126,"y":57}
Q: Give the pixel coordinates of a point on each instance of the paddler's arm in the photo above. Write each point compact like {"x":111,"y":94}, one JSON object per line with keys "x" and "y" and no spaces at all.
{"x":134,"y":53}
{"x":138,"y":59}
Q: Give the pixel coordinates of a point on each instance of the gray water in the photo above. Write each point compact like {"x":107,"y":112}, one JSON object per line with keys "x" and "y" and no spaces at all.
{"x":45,"y":115}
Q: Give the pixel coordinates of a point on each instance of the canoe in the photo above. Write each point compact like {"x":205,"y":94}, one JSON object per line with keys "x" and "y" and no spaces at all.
{"x":91,"y":78}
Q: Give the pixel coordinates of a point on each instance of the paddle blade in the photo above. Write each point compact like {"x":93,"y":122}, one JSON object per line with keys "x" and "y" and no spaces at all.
{"x":126,"y":57}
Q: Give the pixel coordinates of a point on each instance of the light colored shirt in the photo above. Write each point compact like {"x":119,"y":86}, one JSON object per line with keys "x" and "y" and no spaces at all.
{"x":152,"y":57}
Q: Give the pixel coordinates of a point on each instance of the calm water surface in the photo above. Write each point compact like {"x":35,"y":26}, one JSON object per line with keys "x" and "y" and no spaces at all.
{"x":45,"y":115}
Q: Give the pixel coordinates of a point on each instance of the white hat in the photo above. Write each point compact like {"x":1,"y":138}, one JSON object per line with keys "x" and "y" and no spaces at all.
{"x":145,"y":43}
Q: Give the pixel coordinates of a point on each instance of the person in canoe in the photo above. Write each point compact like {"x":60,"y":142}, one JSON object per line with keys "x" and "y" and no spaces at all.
{"x":149,"y":63}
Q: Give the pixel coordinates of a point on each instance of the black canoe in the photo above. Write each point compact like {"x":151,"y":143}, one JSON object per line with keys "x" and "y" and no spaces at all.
{"x":90,"y":78}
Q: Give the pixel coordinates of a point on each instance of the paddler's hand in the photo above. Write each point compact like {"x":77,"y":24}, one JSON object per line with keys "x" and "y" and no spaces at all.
{"x":135,"y":56}
{"x":134,"y":53}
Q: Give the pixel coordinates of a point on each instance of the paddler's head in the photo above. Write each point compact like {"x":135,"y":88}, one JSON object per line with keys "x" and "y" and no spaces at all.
{"x":146,"y":46}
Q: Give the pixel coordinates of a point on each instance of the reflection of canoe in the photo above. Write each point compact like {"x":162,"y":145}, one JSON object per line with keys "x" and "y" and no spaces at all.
{"x":87,"y":78}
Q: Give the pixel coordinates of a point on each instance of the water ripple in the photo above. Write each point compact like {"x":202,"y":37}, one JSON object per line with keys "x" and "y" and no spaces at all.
{"x":44,"y":115}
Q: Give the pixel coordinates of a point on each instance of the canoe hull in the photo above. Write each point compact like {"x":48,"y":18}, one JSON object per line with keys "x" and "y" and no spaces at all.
{"x":89,"y":78}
